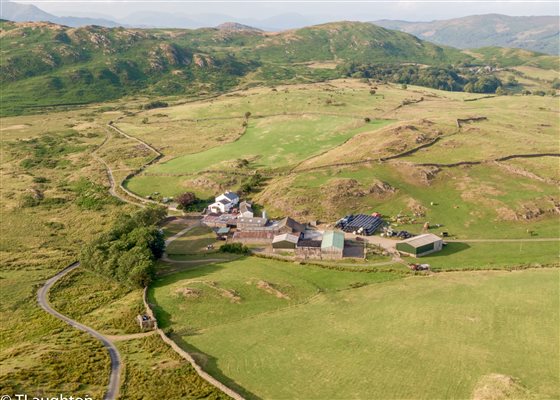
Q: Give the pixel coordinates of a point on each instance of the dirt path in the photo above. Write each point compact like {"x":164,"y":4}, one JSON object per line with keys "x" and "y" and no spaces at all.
{"x":528,"y":240}
{"x":113,"y":185}
{"x":131,"y":336}
{"x":116,"y":364}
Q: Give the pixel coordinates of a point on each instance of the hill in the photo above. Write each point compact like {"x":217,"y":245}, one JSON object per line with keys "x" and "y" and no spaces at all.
{"x":46,"y":63}
{"x":29,"y":13}
{"x":537,"y":33}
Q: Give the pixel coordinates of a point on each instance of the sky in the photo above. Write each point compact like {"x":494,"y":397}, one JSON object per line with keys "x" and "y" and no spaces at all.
{"x":313,"y":11}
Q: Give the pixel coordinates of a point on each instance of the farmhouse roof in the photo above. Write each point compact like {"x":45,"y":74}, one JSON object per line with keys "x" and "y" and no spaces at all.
{"x":257,"y":221}
{"x":253,"y":235}
{"x":332,"y":239}
{"x":245,"y":206}
{"x":231,"y":195}
{"x":290,"y":223}
{"x":286,"y":237}
{"x":422,"y":240}
{"x":309,"y":243}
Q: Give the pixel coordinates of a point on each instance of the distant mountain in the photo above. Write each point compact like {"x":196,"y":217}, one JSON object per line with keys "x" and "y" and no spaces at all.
{"x":539,"y":33}
{"x":236,"y":27}
{"x":29,"y":13}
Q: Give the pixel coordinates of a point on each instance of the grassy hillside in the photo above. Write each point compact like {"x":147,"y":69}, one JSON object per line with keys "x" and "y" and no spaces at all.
{"x":515,"y":57}
{"x":54,"y":199}
{"x":352,"y":165}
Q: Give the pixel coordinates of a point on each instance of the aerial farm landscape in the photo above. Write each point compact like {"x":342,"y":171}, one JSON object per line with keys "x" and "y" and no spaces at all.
{"x":307,"y":228}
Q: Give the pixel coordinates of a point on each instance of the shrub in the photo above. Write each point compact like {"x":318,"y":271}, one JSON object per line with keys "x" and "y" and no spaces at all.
{"x":155,"y":104}
{"x":28,"y":200}
{"x":235,"y":248}
{"x":186,"y":199}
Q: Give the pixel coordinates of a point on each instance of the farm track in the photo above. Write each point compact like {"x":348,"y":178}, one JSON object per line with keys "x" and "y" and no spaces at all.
{"x":116,"y":364}
{"x":158,"y":156}
{"x":113,"y":186}
{"x":527,"y":240}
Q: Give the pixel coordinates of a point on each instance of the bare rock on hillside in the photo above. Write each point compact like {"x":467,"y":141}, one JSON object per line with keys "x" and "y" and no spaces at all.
{"x":416,"y":208}
{"x":497,"y":387}
{"x":341,"y":188}
{"x":202,"y":60}
{"x":380,"y":188}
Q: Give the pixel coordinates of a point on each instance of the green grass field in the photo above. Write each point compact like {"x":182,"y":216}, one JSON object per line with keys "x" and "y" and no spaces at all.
{"x":194,"y":242}
{"x":274,"y":142}
{"x":388,"y":339}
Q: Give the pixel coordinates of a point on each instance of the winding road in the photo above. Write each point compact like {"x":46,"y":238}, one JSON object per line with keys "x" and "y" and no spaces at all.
{"x":116,"y":364}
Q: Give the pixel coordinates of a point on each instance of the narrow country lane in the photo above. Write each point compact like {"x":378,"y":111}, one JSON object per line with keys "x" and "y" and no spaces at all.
{"x":116,"y":365}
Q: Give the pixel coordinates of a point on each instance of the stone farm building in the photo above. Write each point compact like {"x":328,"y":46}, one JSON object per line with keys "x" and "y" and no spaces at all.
{"x":246,"y":210}
{"x":288,"y":225}
{"x":421,"y":245}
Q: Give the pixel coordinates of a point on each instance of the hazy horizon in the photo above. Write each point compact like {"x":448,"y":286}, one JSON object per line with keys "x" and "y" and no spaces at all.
{"x":291,"y":14}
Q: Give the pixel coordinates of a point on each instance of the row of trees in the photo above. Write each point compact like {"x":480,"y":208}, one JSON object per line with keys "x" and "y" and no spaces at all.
{"x":443,"y":78}
{"x":128,"y":251}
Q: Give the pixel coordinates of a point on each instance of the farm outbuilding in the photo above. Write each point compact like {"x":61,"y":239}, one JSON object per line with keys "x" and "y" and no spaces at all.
{"x":252,"y":223}
{"x":421,"y":245}
{"x":332,"y":245}
{"x":260,"y":237}
{"x":308,"y":249}
{"x":146,"y":322}
{"x":222,"y":233}
{"x":285,"y":241}
{"x":289,"y":225}
{"x":246,"y":210}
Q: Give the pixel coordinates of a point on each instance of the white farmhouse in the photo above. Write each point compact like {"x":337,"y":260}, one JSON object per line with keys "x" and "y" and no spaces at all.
{"x":224,"y":203}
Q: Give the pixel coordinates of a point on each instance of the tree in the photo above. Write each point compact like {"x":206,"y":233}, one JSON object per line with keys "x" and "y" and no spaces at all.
{"x":486,"y":84}
{"x":186,"y":199}
{"x":404,"y":86}
{"x":247,"y":114}
{"x":127,"y":252}
{"x":500,"y":91}
{"x":372,"y":92}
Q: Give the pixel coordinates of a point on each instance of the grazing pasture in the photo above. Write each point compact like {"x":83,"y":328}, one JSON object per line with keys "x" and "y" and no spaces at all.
{"x":348,"y":335}
{"x":274,"y":142}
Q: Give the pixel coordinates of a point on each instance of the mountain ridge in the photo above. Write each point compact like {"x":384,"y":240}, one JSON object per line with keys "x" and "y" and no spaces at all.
{"x":536,"y":33}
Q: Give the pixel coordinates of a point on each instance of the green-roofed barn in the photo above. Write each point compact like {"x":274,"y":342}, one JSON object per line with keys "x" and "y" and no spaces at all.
{"x":332,"y":245}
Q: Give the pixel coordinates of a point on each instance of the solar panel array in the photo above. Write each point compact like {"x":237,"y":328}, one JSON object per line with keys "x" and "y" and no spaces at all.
{"x":353,"y":223}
